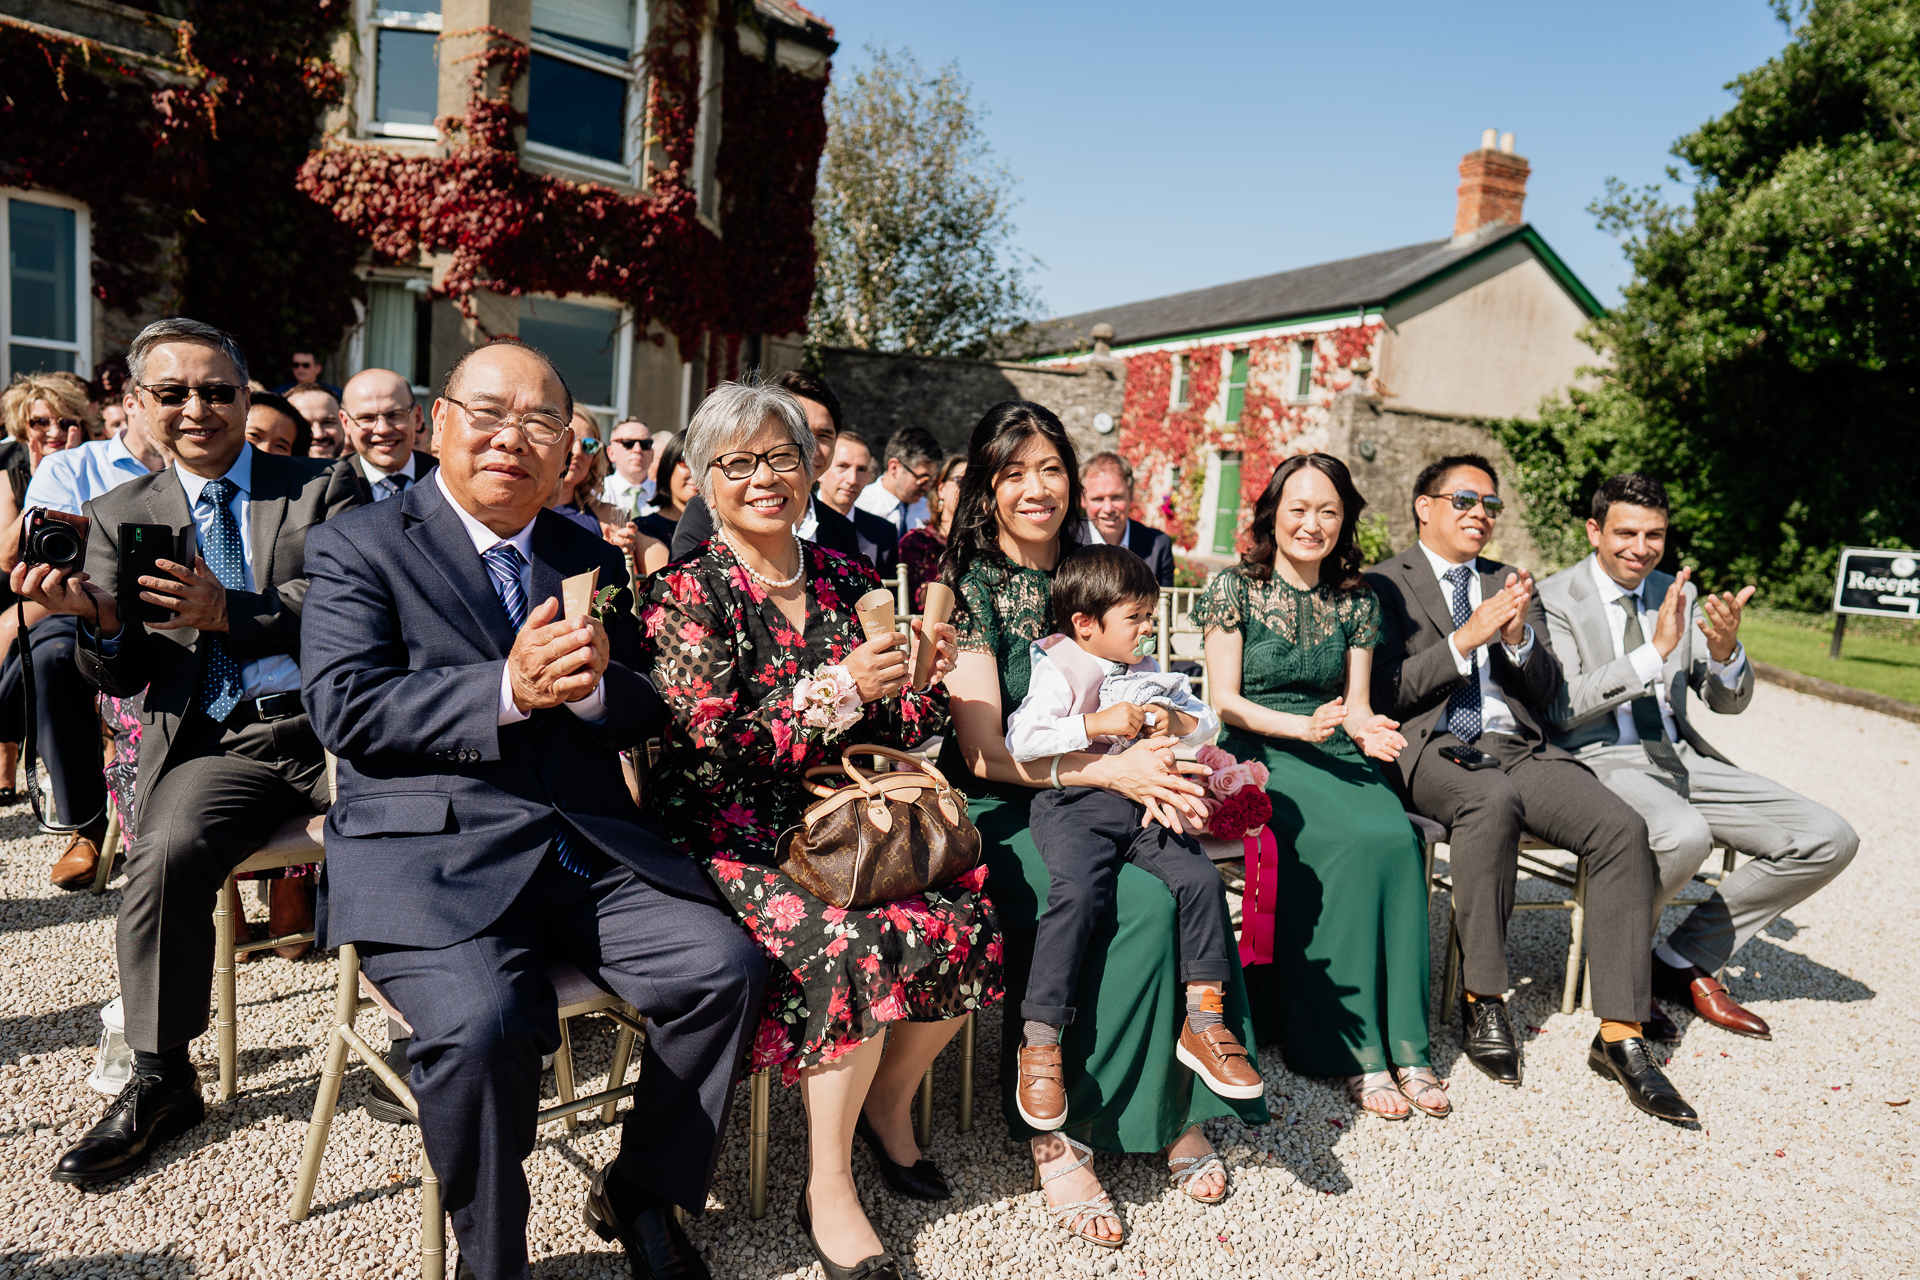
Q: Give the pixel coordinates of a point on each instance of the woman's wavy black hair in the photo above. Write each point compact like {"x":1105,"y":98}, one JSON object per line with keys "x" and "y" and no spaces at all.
{"x":1341,"y":568}
{"x":997,"y":438}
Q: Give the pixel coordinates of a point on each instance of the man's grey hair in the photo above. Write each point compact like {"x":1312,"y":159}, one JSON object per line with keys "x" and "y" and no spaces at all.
{"x":1107,"y":462}
{"x":914,"y":447}
{"x":728,"y":418}
{"x":181,"y":329}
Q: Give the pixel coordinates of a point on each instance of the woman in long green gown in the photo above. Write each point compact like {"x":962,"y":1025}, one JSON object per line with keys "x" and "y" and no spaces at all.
{"x":1290,"y":633}
{"x":1017,"y":514}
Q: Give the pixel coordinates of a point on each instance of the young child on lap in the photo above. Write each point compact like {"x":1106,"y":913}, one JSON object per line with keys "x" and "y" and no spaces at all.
{"x":1091,"y":692}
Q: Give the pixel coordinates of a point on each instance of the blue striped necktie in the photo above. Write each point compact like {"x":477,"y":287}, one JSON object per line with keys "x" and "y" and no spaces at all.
{"x":504,"y":563}
{"x":220,"y":686}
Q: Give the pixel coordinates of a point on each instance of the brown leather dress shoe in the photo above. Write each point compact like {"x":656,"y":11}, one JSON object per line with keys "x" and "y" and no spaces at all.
{"x":1694,"y":985}
{"x":1042,"y":1095}
{"x":290,"y":910}
{"x":82,"y":858}
{"x":1217,"y":1056}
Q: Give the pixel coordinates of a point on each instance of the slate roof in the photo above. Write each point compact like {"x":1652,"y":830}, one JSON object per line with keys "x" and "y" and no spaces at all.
{"x":1346,"y":285}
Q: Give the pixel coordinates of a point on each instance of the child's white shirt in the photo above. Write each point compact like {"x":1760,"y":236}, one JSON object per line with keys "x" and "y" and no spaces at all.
{"x":1068,"y":683}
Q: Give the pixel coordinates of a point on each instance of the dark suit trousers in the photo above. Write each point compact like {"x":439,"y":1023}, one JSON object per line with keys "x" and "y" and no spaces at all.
{"x":483,"y":1013}
{"x":1486,"y":811}
{"x":225,"y":791}
{"x":66,"y":722}
{"x":1083,"y":834}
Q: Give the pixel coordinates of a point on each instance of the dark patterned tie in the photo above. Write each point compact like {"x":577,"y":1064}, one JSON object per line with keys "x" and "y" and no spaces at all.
{"x":220,"y":687}
{"x":1647,"y":720}
{"x":389,"y":486}
{"x":1463,"y":708}
{"x":504,"y":563}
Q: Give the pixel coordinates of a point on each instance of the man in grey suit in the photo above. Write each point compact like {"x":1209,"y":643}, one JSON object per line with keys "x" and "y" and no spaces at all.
{"x":227,"y":752}
{"x":1621,"y":629}
{"x":1463,"y":664}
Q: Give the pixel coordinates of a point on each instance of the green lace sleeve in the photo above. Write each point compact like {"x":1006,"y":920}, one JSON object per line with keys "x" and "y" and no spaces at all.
{"x":1362,"y":618}
{"x":1222,"y":603}
{"x":977,"y":622}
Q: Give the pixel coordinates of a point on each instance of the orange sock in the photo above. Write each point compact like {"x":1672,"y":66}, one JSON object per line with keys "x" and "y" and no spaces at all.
{"x":1613,"y":1032}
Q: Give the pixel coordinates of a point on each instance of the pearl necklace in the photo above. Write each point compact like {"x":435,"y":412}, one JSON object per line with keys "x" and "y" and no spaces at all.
{"x":777,"y":585}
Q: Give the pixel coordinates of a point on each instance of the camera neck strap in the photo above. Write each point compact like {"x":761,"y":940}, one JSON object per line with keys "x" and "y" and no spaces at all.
{"x":29,"y":737}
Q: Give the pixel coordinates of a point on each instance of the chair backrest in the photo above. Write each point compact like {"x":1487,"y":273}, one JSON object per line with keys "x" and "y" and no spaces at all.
{"x":1176,"y":638}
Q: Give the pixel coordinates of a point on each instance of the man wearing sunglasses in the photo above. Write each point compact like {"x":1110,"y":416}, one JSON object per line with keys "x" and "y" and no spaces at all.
{"x":228,"y":752}
{"x":381,"y":420}
{"x":307,"y":367}
{"x":1464,"y":665}
{"x":629,"y":484}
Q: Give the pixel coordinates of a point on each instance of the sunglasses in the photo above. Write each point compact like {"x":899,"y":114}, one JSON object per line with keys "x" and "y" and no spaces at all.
{"x":784,"y":459}
{"x":48,"y":424}
{"x":631,"y":443}
{"x":172,"y":395}
{"x":589,"y":445}
{"x":1467,"y":500}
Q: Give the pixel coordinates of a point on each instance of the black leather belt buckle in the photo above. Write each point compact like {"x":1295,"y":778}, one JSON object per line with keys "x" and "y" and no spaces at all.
{"x":278,"y":706}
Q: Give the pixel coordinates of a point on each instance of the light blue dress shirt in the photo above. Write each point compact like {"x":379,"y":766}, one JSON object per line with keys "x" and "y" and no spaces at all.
{"x":278,"y":673}
{"x":71,"y":478}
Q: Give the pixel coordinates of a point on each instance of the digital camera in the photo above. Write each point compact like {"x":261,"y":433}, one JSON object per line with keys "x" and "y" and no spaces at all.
{"x":55,"y":538}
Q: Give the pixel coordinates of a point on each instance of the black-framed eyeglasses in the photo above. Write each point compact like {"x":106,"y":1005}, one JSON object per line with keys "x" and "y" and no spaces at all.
{"x":1467,"y":500}
{"x":48,"y":424}
{"x":783,"y":459}
{"x":539,"y":428}
{"x":631,"y":443}
{"x":173,"y":395}
{"x":392,"y":418}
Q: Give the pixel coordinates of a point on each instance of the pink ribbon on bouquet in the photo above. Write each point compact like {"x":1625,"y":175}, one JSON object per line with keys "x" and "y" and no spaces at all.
{"x":1257,"y":904}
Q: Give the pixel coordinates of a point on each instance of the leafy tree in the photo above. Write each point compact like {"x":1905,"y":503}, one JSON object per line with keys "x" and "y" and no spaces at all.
{"x":1765,"y":361}
{"x":911,"y":220}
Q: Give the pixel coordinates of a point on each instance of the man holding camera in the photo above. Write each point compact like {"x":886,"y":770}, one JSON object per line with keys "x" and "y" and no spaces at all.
{"x":228,"y":753}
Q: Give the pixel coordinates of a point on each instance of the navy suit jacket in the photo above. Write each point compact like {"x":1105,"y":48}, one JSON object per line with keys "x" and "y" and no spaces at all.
{"x":442,"y":814}
{"x":1153,"y":546}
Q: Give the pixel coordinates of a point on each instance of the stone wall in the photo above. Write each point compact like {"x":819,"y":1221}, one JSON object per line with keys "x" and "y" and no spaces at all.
{"x":883,"y":392}
{"x":1386,"y":447}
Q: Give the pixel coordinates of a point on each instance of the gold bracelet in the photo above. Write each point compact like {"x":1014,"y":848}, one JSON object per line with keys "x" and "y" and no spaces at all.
{"x":1056,"y":773}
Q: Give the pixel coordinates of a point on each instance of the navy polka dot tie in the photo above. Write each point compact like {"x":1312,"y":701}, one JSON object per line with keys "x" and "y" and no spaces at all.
{"x":1463,"y":708}
{"x":220,"y":687}
{"x":504,"y":563}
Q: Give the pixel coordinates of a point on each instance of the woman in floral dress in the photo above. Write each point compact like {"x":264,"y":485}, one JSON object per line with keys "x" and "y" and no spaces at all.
{"x":859,"y":1002}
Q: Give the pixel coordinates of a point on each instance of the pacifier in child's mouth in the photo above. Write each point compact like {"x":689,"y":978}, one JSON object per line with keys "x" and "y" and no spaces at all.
{"x":1144,"y":649}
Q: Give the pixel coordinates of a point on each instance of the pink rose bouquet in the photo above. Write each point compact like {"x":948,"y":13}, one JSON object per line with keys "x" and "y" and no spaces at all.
{"x":827,"y":703}
{"x":1236,"y":799}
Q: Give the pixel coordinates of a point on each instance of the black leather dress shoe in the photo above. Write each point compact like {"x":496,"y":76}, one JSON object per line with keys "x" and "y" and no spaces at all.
{"x":1486,"y":1037}
{"x":1632,"y":1064}
{"x":146,"y":1114}
{"x":657,"y":1248}
{"x":921,"y":1180}
{"x":381,"y":1102}
{"x":1658,"y":1026}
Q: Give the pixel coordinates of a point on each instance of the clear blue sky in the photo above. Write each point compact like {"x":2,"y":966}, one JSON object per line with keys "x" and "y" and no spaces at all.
{"x":1163,"y":147}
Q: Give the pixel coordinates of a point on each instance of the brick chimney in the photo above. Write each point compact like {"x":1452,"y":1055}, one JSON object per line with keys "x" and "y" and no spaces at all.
{"x":1493,"y":186}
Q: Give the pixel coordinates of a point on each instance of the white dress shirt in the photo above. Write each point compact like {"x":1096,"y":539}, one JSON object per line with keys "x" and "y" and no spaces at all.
{"x":1495,"y":715}
{"x":375,"y":474}
{"x":1647,"y":662}
{"x":1044,"y":724}
{"x":619,"y":492}
{"x":277,"y":673}
{"x":903,"y":516}
{"x":593,"y":707}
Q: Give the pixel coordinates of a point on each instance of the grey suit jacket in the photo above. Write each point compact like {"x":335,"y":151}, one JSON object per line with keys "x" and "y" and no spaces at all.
{"x":289,"y":496}
{"x":1414,"y":674}
{"x":1581,"y":718}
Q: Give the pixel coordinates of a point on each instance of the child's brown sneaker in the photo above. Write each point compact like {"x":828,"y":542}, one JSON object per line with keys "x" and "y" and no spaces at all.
{"x":1042,"y":1095}
{"x":1215,"y":1055}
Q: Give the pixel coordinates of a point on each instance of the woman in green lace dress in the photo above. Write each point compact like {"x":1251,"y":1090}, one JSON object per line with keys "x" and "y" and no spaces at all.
{"x":1290,"y":632}
{"x":1016,"y":516}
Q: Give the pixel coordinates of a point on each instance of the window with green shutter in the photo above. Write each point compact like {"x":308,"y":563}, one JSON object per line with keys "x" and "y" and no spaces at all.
{"x":1237,"y":385}
{"x":1226,"y":502}
{"x":1304,"y":386}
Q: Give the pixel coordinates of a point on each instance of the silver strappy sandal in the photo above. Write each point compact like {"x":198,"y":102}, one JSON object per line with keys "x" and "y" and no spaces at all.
{"x":1074,"y":1217}
{"x":1415,"y":1082}
{"x":1184,"y":1169}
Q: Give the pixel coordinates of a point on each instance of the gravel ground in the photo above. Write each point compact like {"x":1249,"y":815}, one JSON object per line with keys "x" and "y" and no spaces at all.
{"x":1802,"y":1165}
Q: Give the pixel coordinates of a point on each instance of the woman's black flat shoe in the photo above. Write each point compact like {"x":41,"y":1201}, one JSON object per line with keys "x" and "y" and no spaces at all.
{"x":9,"y":795}
{"x":881,"y":1266}
{"x":920,"y":1181}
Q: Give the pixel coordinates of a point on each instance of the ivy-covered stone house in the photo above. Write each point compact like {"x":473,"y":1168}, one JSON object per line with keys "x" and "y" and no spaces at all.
{"x":1222,"y":383}
{"x":627,"y":184}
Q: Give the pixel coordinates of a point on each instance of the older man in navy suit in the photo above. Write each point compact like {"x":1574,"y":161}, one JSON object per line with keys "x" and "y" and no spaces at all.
{"x":482,"y":825}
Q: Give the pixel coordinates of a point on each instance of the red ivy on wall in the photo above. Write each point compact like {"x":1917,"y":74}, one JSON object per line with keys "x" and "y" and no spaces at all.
{"x":1168,"y":447}
{"x":513,"y":231}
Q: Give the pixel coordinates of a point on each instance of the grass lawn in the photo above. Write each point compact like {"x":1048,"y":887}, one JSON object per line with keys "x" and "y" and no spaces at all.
{"x":1881,"y":656}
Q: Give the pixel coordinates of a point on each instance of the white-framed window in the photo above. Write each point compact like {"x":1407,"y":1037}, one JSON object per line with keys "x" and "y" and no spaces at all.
{"x":590,"y":340}
{"x":1182,"y":395}
{"x":706,"y":137}
{"x":396,"y":330}
{"x":401,"y":94}
{"x":46,"y":311}
{"x":583,"y":93}
{"x":1303,"y":370}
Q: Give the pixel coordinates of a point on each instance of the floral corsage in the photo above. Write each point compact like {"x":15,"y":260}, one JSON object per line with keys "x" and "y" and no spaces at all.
{"x":827,"y":703}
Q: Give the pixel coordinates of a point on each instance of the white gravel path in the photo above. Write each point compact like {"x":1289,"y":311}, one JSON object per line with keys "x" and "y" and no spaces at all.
{"x":1801,"y":1167}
